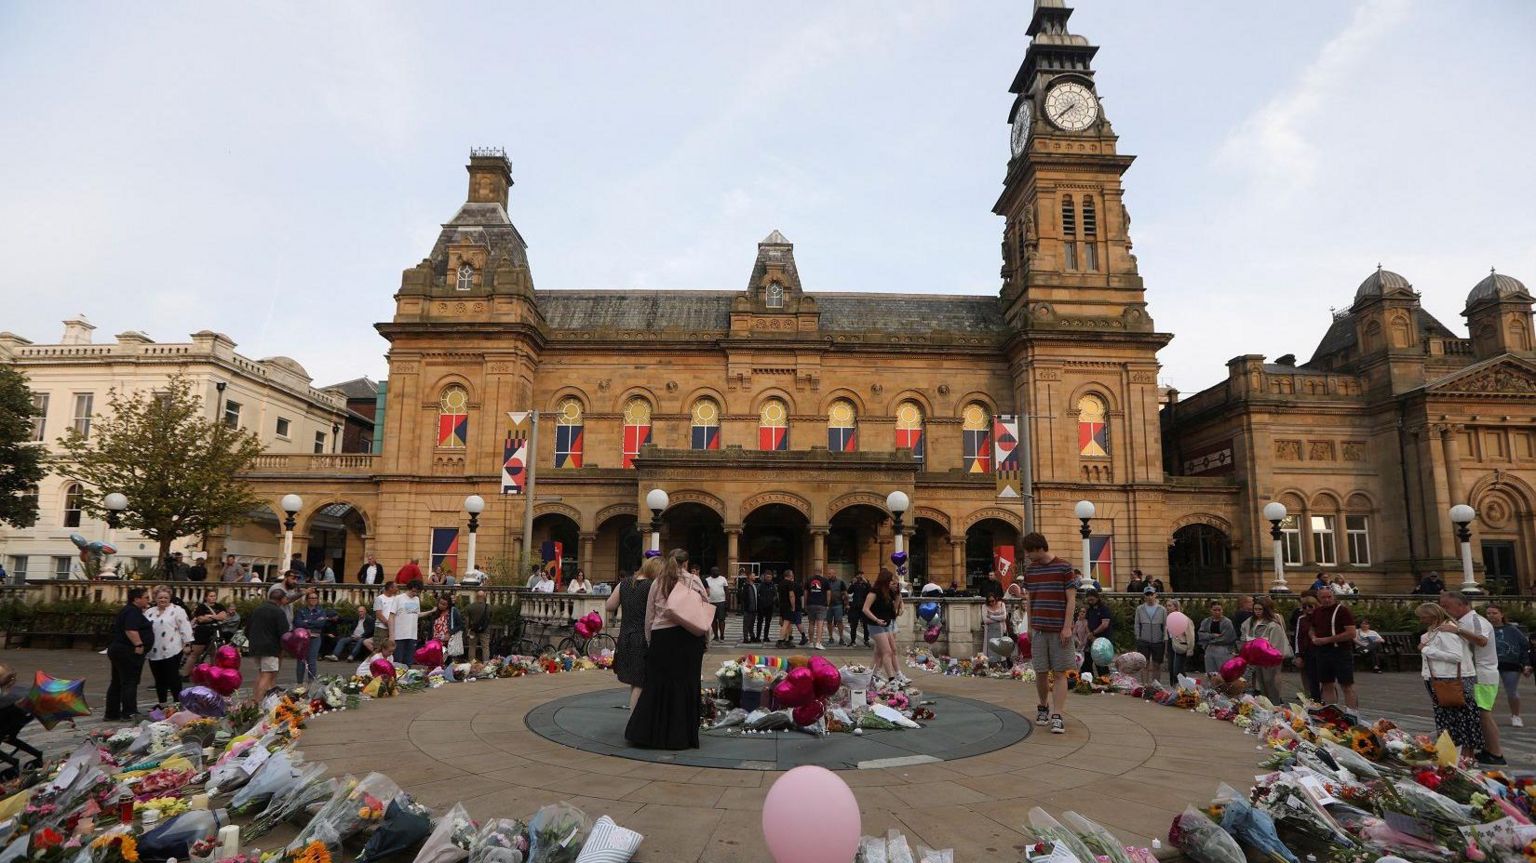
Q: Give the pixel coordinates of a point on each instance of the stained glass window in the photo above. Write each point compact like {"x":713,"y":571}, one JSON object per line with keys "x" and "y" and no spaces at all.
{"x":1092,"y":428}
{"x":909,"y":429}
{"x":773,"y":426}
{"x":637,"y":428}
{"x":705,"y":430}
{"x":976,"y":429}
{"x":842,"y":427}
{"x":453,"y":418}
{"x":568,"y":433}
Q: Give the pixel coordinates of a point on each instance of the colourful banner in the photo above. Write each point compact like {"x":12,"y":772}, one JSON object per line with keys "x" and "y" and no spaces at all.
{"x":452,"y":430}
{"x":445,"y":548}
{"x":514,"y":463}
{"x":635,"y":437}
{"x":553,"y":554}
{"x":1005,"y":442}
{"x":568,"y":445}
{"x":772,"y":438}
{"x":911,"y":439}
{"x":1002,"y":562}
{"x":706,"y":437}
{"x":1101,"y":551}
{"x":842,"y":439}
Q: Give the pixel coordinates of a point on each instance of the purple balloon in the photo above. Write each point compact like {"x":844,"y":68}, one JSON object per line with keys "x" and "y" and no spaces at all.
{"x":652,"y":553}
{"x":203,"y":701}
{"x":899,"y":558}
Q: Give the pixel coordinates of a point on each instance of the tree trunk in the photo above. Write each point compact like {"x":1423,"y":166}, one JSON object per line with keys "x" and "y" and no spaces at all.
{"x":165,"y":553}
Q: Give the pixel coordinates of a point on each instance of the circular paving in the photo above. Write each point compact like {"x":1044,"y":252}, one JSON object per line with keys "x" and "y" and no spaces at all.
{"x":592,"y":722}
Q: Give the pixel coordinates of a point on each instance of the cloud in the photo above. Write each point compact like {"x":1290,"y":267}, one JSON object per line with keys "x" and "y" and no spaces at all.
{"x":1276,"y":143}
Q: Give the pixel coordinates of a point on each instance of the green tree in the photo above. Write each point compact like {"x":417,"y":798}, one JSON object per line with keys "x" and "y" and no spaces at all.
{"x":181,"y":472}
{"x":21,"y":460}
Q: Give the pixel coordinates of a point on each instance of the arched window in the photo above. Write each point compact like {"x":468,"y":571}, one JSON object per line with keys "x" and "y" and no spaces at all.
{"x":466,"y":279}
{"x":775,"y":296}
{"x":842,"y":427}
{"x":976,"y":429}
{"x":1091,"y":233}
{"x":773,"y":426}
{"x":637,"y":428}
{"x":705,"y":431}
{"x":568,"y":433}
{"x":1092,"y":428}
{"x":453,"y":418}
{"x":909,"y":429}
{"x":1068,"y":233}
{"x":72,"y":495}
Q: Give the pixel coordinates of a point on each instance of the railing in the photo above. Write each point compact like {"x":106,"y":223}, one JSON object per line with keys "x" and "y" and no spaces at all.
{"x":360,"y":464}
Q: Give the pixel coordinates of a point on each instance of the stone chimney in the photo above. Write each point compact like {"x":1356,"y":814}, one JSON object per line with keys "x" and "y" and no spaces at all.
{"x":77,"y":331}
{"x":490,"y":176}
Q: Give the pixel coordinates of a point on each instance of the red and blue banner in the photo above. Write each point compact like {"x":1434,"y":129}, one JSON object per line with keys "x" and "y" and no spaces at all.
{"x":772,"y":438}
{"x":706,"y":437}
{"x":911,"y":439}
{"x":1101,"y":553}
{"x":514,"y":464}
{"x":568,"y":445}
{"x":452,"y":430}
{"x":635,"y":437}
{"x":977,"y":450}
{"x":553,"y":554}
{"x":1002,"y":564}
{"x":842,"y":439}
{"x":445,"y":548}
{"x":1005,"y":443}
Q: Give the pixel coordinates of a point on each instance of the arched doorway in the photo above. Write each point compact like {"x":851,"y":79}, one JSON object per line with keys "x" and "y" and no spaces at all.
{"x":697,"y":529}
{"x":256,"y":542}
{"x":853,"y":541}
{"x":773,"y":536}
{"x":982,"y":540}
{"x":620,"y":548}
{"x":548,"y":529}
{"x":928,"y":553}
{"x":336,"y":534}
{"x":1200,"y":560}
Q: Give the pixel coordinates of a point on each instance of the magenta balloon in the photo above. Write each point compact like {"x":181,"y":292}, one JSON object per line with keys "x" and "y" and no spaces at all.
{"x":808,"y":712}
{"x":798,"y":687}
{"x":224,"y":681}
{"x":200,"y":673}
{"x":811,"y":816}
{"x":825,"y":678}
{"x":296,"y":642}
{"x":227,"y":656}
{"x":381,"y":667}
{"x":1178,"y":623}
{"x":582,"y":629}
{"x":430,"y":655}
{"x":1261,"y":653}
{"x":1026,"y":647}
{"x":931,"y":634}
{"x":1233,"y":668}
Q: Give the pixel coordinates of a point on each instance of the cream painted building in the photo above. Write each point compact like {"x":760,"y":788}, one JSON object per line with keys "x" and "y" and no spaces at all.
{"x":71,"y":379}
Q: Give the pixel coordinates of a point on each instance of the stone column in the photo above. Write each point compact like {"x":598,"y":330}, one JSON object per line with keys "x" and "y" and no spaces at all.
{"x":818,"y":548}
{"x":732,"y":551}
{"x":957,"y":552}
{"x":588,"y":553}
{"x":1449,"y":439}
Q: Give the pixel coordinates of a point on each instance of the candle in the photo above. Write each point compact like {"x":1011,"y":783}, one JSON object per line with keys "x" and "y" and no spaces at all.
{"x":229,"y":840}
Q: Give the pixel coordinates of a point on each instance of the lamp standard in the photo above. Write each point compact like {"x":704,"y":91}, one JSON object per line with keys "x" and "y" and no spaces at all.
{"x":291,"y":504}
{"x":656,"y":502}
{"x":474,"y":505}
{"x":898,"y":502}
{"x":1084,"y":512}
{"x":1462,"y":516}
{"x":115,"y":503}
{"x":1275,"y":512}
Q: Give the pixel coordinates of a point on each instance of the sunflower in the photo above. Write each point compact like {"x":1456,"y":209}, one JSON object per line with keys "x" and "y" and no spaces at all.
{"x":1073,"y":676}
{"x":314,"y":852}
{"x":1365,"y":743}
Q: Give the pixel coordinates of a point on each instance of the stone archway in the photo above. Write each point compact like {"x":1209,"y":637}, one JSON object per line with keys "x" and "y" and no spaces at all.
{"x":555,"y":526}
{"x":853,"y":541}
{"x":983,"y":537}
{"x":774,"y":536}
{"x":697,"y":528}
{"x":1200,"y":559}
{"x":337,"y":534}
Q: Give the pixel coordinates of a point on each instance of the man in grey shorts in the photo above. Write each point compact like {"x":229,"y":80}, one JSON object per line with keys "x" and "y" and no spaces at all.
{"x":1052,"y":592}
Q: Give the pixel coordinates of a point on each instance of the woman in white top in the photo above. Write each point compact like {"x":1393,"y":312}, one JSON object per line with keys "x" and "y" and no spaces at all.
{"x":579,"y":584}
{"x":1448,"y":657}
{"x":173,"y":633}
{"x":667,"y":714}
{"x":1266,"y":624}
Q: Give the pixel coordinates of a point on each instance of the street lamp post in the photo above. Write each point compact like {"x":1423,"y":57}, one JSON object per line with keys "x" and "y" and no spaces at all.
{"x":291,"y":504}
{"x":656,"y":502}
{"x":1462,"y":516}
{"x":1084,"y":512}
{"x":115,"y":503}
{"x":1275,"y":512}
{"x":898,"y":502}
{"x":474,"y":505}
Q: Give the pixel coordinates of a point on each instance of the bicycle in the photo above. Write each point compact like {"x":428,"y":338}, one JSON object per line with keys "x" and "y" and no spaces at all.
{"x":592,"y":647}
{"x":541,"y":646}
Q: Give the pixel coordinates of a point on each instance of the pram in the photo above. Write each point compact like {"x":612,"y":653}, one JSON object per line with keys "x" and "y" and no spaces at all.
{"x":12,"y":720}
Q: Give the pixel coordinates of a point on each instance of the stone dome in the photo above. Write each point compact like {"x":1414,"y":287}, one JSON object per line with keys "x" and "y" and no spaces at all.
{"x":1381,"y":283}
{"x":1496,"y":285}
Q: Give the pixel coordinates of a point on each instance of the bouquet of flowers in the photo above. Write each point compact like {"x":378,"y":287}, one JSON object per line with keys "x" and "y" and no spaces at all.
{"x":273,"y":777}
{"x":501,"y":840}
{"x":115,"y":848}
{"x":1253,"y":828}
{"x":199,"y":731}
{"x":307,"y":793}
{"x":556,"y":833}
{"x":1048,"y":829}
{"x":1202,"y":839}
{"x":1411,"y":798}
{"x":357,"y":807}
{"x":405,"y":824}
{"x":451,"y":839}
{"x":1098,"y":840}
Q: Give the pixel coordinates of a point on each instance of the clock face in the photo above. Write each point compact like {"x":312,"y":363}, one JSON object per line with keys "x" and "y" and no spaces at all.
{"x":1020,"y":135}
{"x":1071,"y":106}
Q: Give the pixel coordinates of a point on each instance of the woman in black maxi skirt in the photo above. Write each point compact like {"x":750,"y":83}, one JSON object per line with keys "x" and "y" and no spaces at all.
{"x":667,"y":714}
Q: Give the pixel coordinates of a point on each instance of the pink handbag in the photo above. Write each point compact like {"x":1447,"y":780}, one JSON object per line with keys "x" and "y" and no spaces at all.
{"x":691,"y":612}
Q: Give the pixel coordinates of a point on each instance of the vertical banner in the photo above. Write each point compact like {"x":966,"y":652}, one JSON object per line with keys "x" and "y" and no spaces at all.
{"x":553,"y":554}
{"x":1101,"y":550}
{"x":1005,"y":455}
{"x":445,"y":548}
{"x":1002,"y":561}
{"x":514,"y":455}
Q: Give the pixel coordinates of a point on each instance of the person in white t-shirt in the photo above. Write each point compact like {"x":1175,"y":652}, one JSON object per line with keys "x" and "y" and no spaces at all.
{"x":1478,"y":632}
{"x":383,"y":608}
{"x":402,"y":623}
{"x":715,"y":586}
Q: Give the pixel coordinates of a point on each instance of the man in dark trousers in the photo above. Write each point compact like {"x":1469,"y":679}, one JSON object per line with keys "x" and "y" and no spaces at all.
{"x":132,"y":637}
{"x":767,"y":601}
{"x":746,"y":600}
{"x":856,"y":593}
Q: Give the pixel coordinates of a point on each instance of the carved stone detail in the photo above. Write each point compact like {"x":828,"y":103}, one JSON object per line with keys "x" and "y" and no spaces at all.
{"x":1288,"y":450}
{"x":1505,"y":379}
{"x":855,"y":498}
{"x":758,"y":501}
{"x":614,"y":511}
{"x":932,"y":514}
{"x":991,"y":512}
{"x":1320,"y":450}
{"x":703,"y":498}
{"x":1354,"y":450}
{"x":1143,"y":377}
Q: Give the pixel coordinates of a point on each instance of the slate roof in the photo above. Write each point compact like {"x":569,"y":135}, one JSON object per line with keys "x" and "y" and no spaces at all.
{"x":1497,"y":285}
{"x":701,"y":311}
{"x":357,"y":388}
{"x":1341,"y":334}
{"x":484,"y":225}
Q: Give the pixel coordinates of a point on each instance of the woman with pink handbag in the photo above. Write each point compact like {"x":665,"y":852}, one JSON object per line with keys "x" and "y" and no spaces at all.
{"x":678,"y":616}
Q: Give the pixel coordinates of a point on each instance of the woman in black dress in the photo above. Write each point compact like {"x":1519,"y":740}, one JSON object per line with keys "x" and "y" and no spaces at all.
{"x":667,"y":714}
{"x":629,"y":601}
{"x":132,"y":636}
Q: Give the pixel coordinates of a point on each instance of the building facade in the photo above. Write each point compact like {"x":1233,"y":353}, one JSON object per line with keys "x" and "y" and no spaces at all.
{"x":779,"y":414}
{"x":71,"y":382}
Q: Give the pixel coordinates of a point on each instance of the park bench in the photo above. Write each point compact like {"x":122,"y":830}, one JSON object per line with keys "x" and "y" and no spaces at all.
{"x":1400,"y":650}
{"x":61,"y":629}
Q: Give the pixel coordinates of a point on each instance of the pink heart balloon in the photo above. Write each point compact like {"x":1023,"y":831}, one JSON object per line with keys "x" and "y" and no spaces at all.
{"x":296,"y":642}
{"x":200,"y":673}
{"x":430,"y":655}
{"x":381,"y":667}
{"x":594,"y":622}
{"x":224,"y":681}
{"x":808,"y":712}
{"x":798,"y":687}
{"x":1261,"y":653}
{"x":582,"y":629}
{"x":825,"y":678}
{"x":1026,"y":647}
{"x":1233,"y":668}
{"x":227,"y":656}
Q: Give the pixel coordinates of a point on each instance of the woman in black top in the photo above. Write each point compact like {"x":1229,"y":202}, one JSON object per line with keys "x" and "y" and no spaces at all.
{"x":132,"y":636}
{"x":882,"y":605}
{"x":206,"y":618}
{"x":791,"y":598}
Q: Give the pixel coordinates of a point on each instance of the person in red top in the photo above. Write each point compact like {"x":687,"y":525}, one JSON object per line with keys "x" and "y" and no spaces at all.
{"x":410,"y":572}
{"x":1333,"y":649}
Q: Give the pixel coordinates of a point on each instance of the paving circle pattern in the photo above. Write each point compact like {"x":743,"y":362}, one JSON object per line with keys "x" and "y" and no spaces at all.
{"x":591,"y":722}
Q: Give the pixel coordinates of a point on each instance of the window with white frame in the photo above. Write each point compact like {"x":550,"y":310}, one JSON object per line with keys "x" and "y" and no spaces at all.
{"x":319,"y":443}
{"x":72,"y":495}
{"x":18,"y":568}
{"x":84,"y":406}
{"x":232,"y":413}
{"x":775,"y":296}
{"x":39,"y":415}
{"x":1290,"y":540}
{"x":282,"y":426}
{"x":1357,"y":534}
{"x":1325,"y":550}
{"x":466,"y":279}
{"x":61,"y":566}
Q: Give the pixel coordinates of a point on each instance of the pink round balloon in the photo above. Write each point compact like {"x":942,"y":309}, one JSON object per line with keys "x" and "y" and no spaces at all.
{"x":825,"y":678}
{"x":381,"y":667}
{"x":810,"y":816}
{"x":1233,"y":668}
{"x":227,"y":656}
{"x":296,"y":642}
{"x":1261,"y":653}
{"x":1178,"y":623}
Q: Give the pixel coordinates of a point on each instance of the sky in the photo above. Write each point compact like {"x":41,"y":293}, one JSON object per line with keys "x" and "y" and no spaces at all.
{"x":268,"y":170}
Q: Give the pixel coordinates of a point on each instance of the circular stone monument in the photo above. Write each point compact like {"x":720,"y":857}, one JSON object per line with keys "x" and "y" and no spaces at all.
{"x":964,"y":728}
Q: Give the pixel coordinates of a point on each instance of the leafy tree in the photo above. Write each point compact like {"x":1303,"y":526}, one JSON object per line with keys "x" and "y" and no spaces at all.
{"x":180,"y":471}
{"x":21,"y":461}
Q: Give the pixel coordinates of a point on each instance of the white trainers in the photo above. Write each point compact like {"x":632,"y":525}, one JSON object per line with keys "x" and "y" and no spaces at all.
{"x":819,"y":646}
{"x":1516,"y":722}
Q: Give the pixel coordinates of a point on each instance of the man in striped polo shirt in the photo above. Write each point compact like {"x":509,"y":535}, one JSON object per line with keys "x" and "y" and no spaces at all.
{"x":1052,"y":592}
